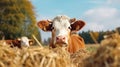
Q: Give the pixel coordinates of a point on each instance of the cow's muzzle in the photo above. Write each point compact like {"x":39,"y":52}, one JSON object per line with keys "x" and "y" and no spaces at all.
{"x":60,"y":40}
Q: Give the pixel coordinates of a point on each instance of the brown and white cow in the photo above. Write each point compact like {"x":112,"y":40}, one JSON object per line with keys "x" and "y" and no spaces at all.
{"x":23,"y":41}
{"x":64,"y":32}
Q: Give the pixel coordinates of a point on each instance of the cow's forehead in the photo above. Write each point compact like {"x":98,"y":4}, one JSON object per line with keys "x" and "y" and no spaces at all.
{"x":61,"y":21}
{"x":61,"y":17}
{"x":24,"y":39}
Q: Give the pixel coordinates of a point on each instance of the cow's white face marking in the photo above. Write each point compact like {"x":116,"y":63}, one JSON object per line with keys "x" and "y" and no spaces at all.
{"x":24,"y":41}
{"x":61,"y":27}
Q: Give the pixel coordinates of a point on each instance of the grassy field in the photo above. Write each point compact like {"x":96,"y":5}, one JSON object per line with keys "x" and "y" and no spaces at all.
{"x":92,"y":47}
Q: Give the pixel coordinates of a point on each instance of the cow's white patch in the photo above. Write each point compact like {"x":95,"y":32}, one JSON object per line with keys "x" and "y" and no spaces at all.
{"x":61,"y":26}
{"x":24,"y":41}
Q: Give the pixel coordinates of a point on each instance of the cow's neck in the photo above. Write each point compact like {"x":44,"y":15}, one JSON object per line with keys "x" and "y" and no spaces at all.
{"x":75,"y":43}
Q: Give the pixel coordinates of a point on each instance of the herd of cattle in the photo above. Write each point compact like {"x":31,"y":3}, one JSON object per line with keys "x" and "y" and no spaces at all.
{"x":64,"y":33}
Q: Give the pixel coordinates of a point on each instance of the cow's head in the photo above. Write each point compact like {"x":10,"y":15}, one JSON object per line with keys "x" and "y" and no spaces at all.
{"x":24,"y":41}
{"x":61,"y":27}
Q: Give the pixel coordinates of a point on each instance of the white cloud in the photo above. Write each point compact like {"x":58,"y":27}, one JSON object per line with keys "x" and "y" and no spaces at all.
{"x":104,"y":1}
{"x":102,"y":18}
{"x":113,"y":1}
{"x":101,"y":13}
{"x":94,"y":26}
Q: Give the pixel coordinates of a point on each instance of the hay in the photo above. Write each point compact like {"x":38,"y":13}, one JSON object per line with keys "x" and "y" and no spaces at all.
{"x":78,"y":57}
{"x":34,"y":57}
{"x":107,"y":55}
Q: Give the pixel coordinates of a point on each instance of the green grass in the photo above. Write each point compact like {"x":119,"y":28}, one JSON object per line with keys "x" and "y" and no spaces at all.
{"x":92,"y":47}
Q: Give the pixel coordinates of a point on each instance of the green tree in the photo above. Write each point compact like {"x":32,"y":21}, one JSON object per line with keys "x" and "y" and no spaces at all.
{"x":86,"y":36}
{"x":101,"y":34}
{"x":17,"y":18}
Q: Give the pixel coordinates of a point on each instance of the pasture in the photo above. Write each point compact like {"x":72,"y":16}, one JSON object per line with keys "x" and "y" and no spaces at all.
{"x":106,"y":55}
{"x":92,"y":47}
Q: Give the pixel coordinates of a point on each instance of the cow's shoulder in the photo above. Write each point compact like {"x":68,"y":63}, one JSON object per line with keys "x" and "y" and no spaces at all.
{"x":76,"y":42}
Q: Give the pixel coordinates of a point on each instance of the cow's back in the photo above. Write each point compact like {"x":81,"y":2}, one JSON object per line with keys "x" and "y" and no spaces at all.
{"x":75,"y":43}
{"x":16,"y":43}
{"x":13,"y":43}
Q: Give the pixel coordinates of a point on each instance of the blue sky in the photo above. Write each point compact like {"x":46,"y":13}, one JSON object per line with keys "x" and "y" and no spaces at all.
{"x":98,"y":14}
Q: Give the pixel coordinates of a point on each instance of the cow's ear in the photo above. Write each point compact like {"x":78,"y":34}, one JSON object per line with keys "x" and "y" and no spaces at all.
{"x":72,"y":20}
{"x":45,"y":25}
{"x":77,"y":25}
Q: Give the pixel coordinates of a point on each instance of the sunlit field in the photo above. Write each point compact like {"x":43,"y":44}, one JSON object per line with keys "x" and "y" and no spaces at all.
{"x":95,"y":55}
{"x":52,"y":33}
{"x":92,"y":47}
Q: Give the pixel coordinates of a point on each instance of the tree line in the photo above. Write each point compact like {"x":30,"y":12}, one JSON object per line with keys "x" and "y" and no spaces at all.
{"x":17,"y":18}
{"x":97,"y":36}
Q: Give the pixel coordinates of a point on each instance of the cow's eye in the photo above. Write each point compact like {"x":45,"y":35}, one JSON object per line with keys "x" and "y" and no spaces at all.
{"x":52,"y":28}
{"x":69,"y":27}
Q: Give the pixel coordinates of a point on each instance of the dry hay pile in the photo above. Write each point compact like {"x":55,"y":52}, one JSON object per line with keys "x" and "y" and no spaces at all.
{"x":107,"y":55}
{"x":78,"y":57}
{"x":34,"y":57}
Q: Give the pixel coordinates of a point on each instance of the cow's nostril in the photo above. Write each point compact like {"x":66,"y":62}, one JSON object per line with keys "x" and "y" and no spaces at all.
{"x":63,"y":38}
{"x":60,"y":38}
{"x":57,"y":38}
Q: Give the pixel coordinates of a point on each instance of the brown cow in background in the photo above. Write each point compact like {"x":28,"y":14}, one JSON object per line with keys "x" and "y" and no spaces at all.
{"x":23,"y":41}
